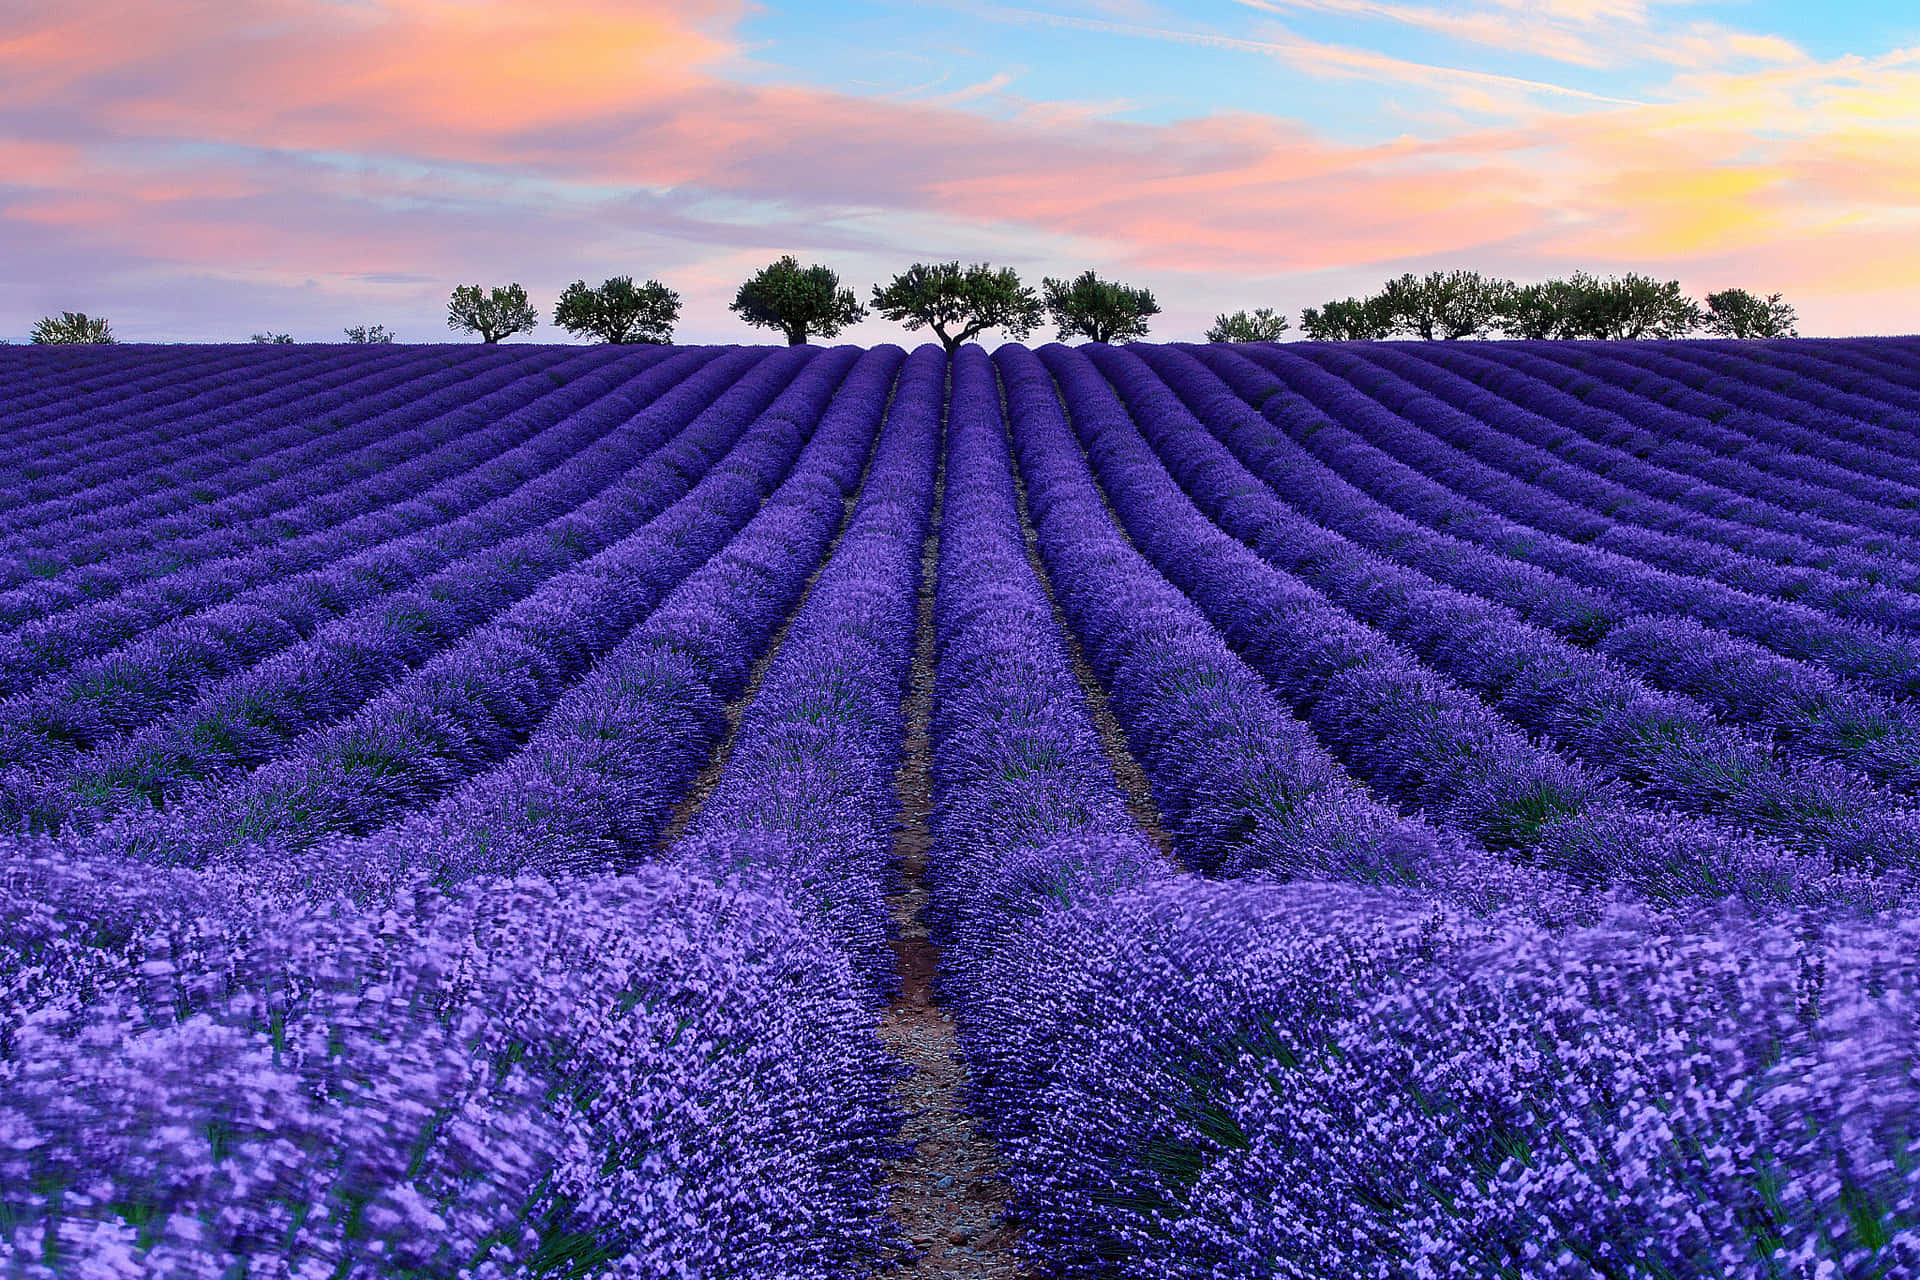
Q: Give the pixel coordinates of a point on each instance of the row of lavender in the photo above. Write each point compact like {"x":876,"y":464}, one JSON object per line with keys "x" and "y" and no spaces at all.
{"x":340,"y":1030}
{"x":1218,"y":1076}
{"x":1608,"y":1016}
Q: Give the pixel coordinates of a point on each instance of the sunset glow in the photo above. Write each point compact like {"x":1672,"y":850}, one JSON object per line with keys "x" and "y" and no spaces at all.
{"x":199,"y":168}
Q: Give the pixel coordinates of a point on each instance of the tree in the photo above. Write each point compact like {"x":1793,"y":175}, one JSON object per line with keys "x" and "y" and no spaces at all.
{"x":959,"y":304}
{"x":1634,"y":306}
{"x":1444,"y":305}
{"x":270,"y":338}
{"x":1098,"y":310}
{"x":498,"y":314}
{"x":1347,"y":320}
{"x":1735,"y":313}
{"x":1260,"y":325}
{"x":373,"y":333}
{"x":72,"y":328}
{"x":797,"y":300}
{"x":619,"y":310}
{"x":1550,"y":309}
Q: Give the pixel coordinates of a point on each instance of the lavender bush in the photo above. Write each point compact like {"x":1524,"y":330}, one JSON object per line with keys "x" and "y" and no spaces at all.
{"x":448,"y":802}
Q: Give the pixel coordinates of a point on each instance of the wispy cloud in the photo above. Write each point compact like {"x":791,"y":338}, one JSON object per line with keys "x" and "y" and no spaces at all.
{"x":342,"y":158}
{"x":1604,"y":34}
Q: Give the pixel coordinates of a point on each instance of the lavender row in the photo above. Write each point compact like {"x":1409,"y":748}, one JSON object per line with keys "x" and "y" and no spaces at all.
{"x":1656,"y":434}
{"x":216,"y":476}
{"x":1241,"y":785}
{"x":262,"y":713}
{"x":1615,"y":584}
{"x":467,"y":471}
{"x":1390,"y":718}
{"x":1416,"y":736}
{"x":188,"y":445}
{"x":1809,"y":712}
{"x":1763,"y":395}
{"x":806,"y":802}
{"x":1707,"y":447}
{"x":1217,"y":1082}
{"x":540,"y":482}
{"x":412,"y":437}
{"x":63,"y":477}
{"x":1789,"y":431}
{"x":1847,"y":395}
{"x":473,"y":702}
{"x":1539,"y":412}
{"x":648,"y":1075}
{"x":594,"y":786}
{"x":1532,"y":486}
{"x":1027,"y":811}
{"x":86,"y":421}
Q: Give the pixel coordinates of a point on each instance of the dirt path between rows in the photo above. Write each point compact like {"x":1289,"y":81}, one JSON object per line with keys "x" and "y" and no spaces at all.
{"x":949,"y":1194}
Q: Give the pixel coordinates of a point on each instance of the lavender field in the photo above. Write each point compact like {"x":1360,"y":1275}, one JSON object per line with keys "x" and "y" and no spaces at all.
{"x":1369,"y":809}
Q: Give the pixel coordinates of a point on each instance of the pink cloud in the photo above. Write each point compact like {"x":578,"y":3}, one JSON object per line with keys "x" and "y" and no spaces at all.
{"x":285,"y":140}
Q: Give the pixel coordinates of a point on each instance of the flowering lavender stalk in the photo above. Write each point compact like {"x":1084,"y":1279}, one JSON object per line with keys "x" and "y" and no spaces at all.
{"x":645,"y":1075}
{"x":1308,"y":1081}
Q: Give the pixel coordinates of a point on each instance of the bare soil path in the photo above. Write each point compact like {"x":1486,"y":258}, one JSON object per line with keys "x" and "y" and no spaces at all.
{"x":949,"y":1194}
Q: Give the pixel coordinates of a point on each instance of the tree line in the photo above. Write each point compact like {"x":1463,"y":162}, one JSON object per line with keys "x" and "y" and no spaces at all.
{"x":1448,"y":305}
{"x":960,"y":302}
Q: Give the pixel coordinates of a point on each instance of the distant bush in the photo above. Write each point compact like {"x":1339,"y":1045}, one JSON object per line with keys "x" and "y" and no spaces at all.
{"x":1442,"y":306}
{"x":500,"y":313}
{"x":1735,"y":313}
{"x":72,"y":328}
{"x":270,"y":338}
{"x":1347,"y":320}
{"x":373,"y":333}
{"x":619,"y":310}
{"x":1260,"y":325}
{"x":1098,"y":310}
{"x":959,"y":303}
{"x":798,"y":301}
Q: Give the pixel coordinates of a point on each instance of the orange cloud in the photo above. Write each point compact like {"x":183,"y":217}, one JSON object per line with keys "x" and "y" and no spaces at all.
{"x":282,"y":140}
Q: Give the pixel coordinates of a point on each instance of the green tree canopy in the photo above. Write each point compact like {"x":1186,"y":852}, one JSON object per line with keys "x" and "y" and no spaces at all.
{"x":1259,"y":325}
{"x":1098,"y":310}
{"x":798,"y":301}
{"x":70,"y":328}
{"x":1444,"y":305}
{"x":270,"y":338}
{"x":1634,"y":306}
{"x":373,"y":333}
{"x":1550,"y":309}
{"x":1347,"y":320}
{"x":958,"y":303}
{"x":619,"y":310}
{"x":500,"y":313}
{"x":1735,"y":313}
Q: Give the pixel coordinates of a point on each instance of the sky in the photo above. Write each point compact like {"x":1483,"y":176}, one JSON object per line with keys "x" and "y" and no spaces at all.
{"x":198,"y":170}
